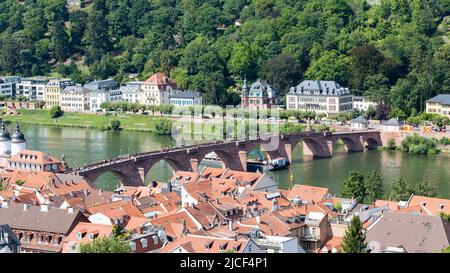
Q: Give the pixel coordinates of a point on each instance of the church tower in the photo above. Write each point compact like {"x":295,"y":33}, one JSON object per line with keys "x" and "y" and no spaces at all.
{"x":18,"y":142}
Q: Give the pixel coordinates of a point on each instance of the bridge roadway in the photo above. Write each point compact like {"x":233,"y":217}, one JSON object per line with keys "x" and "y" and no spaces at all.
{"x":131,"y":169}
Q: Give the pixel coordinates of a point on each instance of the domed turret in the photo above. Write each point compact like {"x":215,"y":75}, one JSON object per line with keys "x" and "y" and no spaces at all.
{"x":18,"y":142}
{"x":297,"y":201}
{"x":4,"y":134}
{"x":5,"y":141}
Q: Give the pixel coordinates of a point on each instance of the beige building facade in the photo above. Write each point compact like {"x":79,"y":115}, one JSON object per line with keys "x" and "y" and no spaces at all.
{"x":52,"y":91}
{"x":439,"y":105}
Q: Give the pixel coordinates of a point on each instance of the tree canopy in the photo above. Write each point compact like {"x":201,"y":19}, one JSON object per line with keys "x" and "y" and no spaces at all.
{"x":393,"y":52}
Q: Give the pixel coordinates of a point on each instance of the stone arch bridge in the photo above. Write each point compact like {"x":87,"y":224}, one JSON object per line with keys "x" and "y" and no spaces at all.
{"x":131,"y":169}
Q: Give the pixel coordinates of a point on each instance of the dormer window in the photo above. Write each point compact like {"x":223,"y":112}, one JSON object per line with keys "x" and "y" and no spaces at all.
{"x":223,"y":246}
{"x":441,"y":207}
{"x":423,"y":204}
{"x":208,"y":244}
{"x":91,"y":236}
{"x":79,"y":235}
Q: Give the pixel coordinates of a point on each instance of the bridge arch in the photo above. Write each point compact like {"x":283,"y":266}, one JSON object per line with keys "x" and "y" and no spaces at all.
{"x":125,"y":178}
{"x":350,"y":143}
{"x":316,"y":148}
{"x":371,"y":142}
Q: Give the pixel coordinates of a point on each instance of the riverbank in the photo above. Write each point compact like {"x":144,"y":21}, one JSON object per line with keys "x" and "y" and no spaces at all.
{"x":135,"y":122}
{"x":128,"y":122}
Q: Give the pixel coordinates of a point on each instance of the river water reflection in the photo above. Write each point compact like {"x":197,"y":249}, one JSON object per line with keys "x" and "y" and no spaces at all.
{"x":81,"y":146}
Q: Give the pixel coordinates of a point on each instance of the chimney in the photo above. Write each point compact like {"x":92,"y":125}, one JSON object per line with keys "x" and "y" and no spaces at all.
{"x":5,"y":203}
{"x":258,"y":219}
{"x":44,"y":208}
{"x":231,"y":224}
{"x":100,"y":191}
{"x":25,"y":207}
{"x":70,"y":210}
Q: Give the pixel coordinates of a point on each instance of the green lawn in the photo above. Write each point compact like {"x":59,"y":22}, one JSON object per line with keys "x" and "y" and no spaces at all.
{"x":131,"y":122}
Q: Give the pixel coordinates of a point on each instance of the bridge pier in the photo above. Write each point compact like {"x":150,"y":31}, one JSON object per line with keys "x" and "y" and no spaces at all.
{"x":319,"y":149}
{"x":194,"y":164}
{"x":243,"y":160}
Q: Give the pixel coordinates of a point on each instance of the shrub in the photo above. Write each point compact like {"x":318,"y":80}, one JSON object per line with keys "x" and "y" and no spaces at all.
{"x":416,"y":144}
{"x":391,"y":144}
{"x":56,"y":112}
{"x":445,"y":141}
{"x":20,"y":182}
{"x":163,"y":127}
{"x":115,"y":124}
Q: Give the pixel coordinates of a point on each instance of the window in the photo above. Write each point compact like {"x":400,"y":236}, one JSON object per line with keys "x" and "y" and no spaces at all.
{"x":133,"y":246}
{"x":144,"y":243}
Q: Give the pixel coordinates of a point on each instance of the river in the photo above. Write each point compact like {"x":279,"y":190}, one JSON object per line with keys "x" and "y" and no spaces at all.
{"x":82,"y":146}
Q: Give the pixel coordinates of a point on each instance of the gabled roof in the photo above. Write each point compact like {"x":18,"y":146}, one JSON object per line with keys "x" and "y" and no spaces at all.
{"x":317,"y":87}
{"x":359,"y":119}
{"x":98,"y":230}
{"x":206,"y":214}
{"x":35,"y":157}
{"x":415,"y":232}
{"x":54,"y":220}
{"x":442,"y":99}
{"x":206,"y":244}
{"x":160,"y":79}
{"x":308,"y":193}
{"x":433,"y":206}
{"x":392,"y":122}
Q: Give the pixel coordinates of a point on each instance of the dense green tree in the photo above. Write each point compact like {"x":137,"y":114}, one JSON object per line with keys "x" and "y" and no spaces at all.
{"x":60,"y":41}
{"x":373,"y":187}
{"x":106,"y":245}
{"x":118,"y":20}
{"x":96,"y":36}
{"x":242,"y":61}
{"x":401,"y":190}
{"x":354,"y":240}
{"x":282,"y":71}
{"x":365,"y":61}
{"x":354,"y":186}
{"x":393,"y":51}
{"x":425,"y":188}
{"x":115,"y":124}
{"x":77,"y":28}
{"x":35,"y":24}
{"x":329,"y":66}
{"x":56,"y":112}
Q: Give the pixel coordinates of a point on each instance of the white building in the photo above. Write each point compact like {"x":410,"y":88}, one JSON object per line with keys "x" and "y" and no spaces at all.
{"x":279,"y":244}
{"x":8,"y":85}
{"x":103,"y":91}
{"x":392,"y":125}
{"x":130,"y":91}
{"x":361,"y":103}
{"x":75,"y":99}
{"x":359,"y":123}
{"x":155,"y":90}
{"x":185,"y":98}
{"x":326,"y":97}
{"x":32,"y":88}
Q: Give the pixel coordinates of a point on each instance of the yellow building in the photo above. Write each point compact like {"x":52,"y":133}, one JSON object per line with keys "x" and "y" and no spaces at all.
{"x":52,"y":91}
{"x":439,"y":105}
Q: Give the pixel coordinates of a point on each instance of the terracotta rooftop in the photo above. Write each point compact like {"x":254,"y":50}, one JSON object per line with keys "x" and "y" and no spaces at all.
{"x":433,"y":206}
{"x":206,"y":244}
{"x":308,"y":193}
